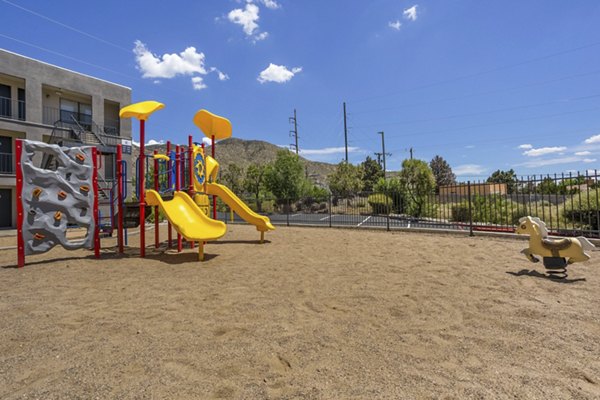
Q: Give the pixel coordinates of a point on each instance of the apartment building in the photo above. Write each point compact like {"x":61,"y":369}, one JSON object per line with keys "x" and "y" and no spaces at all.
{"x":44,"y":102}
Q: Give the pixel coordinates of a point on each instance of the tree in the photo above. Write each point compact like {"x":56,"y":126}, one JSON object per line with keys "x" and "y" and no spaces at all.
{"x":371,"y":173}
{"x":233,"y":177}
{"x":285,"y":177}
{"x":547,"y":186}
{"x":442,"y":172}
{"x":254,"y":182}
{"x":346,"y":180}
{"x":418,"y":182}
{"x":509,"y":177}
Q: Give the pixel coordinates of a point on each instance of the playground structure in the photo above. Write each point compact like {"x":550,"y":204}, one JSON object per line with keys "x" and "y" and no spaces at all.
{"x":48,"y":201}
{"x":557,"y":253}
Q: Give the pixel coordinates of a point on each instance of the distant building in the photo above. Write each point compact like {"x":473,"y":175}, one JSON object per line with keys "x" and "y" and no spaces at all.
{"x":476,"y":189}
{"x":43,"y":102}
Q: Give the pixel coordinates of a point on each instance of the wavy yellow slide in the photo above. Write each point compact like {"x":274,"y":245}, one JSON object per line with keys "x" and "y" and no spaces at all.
{"x":262,"y":223}
{"x":187,"y":218}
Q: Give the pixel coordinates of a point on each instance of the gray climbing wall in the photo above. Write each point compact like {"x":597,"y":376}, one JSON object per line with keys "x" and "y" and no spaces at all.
{"x":54,"y":199}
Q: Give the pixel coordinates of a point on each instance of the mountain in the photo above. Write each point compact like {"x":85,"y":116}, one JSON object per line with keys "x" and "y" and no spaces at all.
{"x":245,"y":152}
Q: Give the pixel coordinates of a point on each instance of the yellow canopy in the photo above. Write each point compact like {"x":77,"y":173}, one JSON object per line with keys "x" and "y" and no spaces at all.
{"x":213,"y":125}
{"x":141,"y":110}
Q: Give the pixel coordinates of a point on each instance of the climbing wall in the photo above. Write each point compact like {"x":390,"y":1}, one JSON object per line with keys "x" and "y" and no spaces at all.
{"x":55,"y":199}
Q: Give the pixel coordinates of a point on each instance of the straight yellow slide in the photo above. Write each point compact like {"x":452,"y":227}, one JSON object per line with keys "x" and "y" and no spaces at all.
{"x":262,"y":223}
{"x":186,"y":217}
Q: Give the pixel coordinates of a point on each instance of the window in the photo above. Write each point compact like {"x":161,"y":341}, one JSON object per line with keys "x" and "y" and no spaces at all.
{"x":21,"y":95}
{"x":5,"y":101}
{"x":74,"y":112}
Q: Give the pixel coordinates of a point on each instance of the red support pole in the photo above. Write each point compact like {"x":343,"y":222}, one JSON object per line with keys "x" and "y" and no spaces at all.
{"x":156,"y":226}
{"x":212,"y":143}
{"x":20,"y":241}
{"x":96,"y":195}
{"x":120,"y":197}
{"x":177,"y":187}
{"x":169,"y":182}
{"x":142,"y":183}
{"x":191,"y":173}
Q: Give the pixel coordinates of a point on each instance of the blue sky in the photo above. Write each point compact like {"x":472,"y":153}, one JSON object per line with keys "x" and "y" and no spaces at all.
{"x":486,"y":85}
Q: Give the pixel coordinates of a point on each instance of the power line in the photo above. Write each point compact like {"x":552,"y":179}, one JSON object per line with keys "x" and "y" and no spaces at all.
{"x":485,"y":72}
{"x":503,"y":139}
{"x":516,"y":88}
{"x":65,"y":56}
{"x":524,"y":106}
{"x":99,"y":39}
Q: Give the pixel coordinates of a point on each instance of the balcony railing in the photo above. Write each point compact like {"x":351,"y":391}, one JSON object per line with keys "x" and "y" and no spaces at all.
{"x":74,"y":120}
{"x":7,"y":163}
{"x":13,"y":109}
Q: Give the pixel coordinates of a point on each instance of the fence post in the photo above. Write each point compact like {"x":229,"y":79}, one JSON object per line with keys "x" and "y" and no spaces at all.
{"x":287,"y":212}
{"x":330,"y":203}
{"x":470,"y":209}
{"x":387,"y":209}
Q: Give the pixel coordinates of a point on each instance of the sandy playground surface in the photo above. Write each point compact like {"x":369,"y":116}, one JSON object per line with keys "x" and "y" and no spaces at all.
{"x":314,"y":314}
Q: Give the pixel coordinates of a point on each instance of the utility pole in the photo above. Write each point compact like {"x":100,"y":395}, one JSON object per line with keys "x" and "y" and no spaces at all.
{"x":383,"y":152}
{"x":379,"y":158}
{"x":294,"y":132}
{"x":410,"y":153}
{"x":345,"y":133}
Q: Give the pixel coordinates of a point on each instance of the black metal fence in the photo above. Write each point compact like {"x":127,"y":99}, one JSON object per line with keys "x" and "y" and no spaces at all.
{"x":567,"y":203}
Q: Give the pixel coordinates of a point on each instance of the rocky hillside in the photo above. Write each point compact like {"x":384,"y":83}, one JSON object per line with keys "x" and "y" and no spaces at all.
{"x":245,"y":152}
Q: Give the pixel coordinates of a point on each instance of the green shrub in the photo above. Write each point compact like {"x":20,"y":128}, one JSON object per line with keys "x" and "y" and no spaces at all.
{"x":583,"y":210}
{"x":380,"y":203}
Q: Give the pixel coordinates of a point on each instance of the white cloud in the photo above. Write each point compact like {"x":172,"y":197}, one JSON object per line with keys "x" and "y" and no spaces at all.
{"x":592,"y":139}
{"x":206,"y":141}
{"x":198,"y":83}
{"x":543,"y":151}
{"x":583,"y":153}
{"x":188,"y":62}
{"x":411,"y":13}
{"x":260,"y":36}
{"x":248,"y":19}
{"x":470,"y":146}
{"x":589,"y":160}
{"x":550,"y":161}
{"x":272,"y":4}
{"x":150,"y":142}
{"x":525,"y":146}
{"x":222,"y":76}
{"x":327,"y":151}
{"x":468,"y":169}
{"x":395,"y":24}
{"x":277,"y":73}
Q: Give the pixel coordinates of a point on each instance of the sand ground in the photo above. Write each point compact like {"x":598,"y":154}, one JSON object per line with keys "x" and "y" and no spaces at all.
{"x":313,"y":314}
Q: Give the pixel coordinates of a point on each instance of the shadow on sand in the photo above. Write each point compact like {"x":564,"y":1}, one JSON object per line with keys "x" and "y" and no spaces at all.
{"x":536,"y":274}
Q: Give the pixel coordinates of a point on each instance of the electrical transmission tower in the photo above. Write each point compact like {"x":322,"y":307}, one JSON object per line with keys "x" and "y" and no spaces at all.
{"x":294,"y":132}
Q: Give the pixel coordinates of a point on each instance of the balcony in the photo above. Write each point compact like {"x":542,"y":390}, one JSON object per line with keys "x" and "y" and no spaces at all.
{"x":78,"y":121}
{"x":12,"y":109}
{"x":7,"y":164}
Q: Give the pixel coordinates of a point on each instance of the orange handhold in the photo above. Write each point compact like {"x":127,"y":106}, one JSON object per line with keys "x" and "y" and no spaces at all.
{"x":37,"y":192}
{"x":80,"y":157}
{"x":57,"y":215}
{"x":62,"y":195}
{"x":38,"y":236}
{"x":84,"y":188}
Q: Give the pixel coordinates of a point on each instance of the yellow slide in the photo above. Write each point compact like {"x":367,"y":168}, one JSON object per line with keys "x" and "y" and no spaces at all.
{"x":262,"y":223}
{"x":187,"y":218}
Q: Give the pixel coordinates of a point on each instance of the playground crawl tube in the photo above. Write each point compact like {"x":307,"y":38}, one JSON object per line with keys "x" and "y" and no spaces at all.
{"x":262,"y":223}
